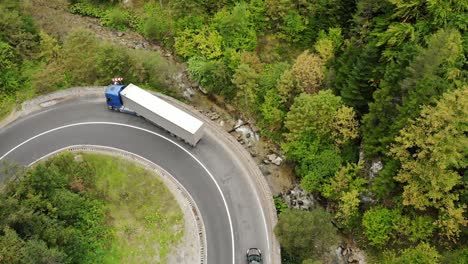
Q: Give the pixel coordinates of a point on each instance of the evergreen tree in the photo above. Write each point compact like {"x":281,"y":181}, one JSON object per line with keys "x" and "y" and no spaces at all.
{"x":402,"y":92}
{"x":357,"y":75}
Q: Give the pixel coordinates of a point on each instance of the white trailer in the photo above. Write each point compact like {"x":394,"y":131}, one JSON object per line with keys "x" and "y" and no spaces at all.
{"x":163,"y":114}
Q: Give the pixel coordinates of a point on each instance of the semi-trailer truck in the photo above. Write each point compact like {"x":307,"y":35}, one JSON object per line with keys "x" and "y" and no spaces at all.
{"x":134,"y":100}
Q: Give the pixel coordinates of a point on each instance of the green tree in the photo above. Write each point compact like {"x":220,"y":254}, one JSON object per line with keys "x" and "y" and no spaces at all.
{"x":416,"y":227}
{"x":270,"y":76}
{"x":327,"y":44}
{"x":287,"y":88}
{"x":272,"y":113}
{"x":396,"y":35}
{"x":37,"y":251}
{"x":293,"y":26}
{"x":10,"y":78}
{"x":158,"y":23}
{"x":277,"y":10}
{"x":344,"y":126}
{"x":432,"y":153}
{"x":150,"y":68}
{"x":272,"y":104}
{"x":317,"y":167}
{"x":158,"y":27}
{"x":17,"y":28}
{"x":246,"y":80}
{"x":257,"y":9}
{"x":311,"y":114}
{"x":437,"y":13}
{"x":116,"y":18}
{"x":319,"y":114}
{"x":457,"y":256}
{"x":357,"y":74}
{"x":11,"y":246}
{"x":316,"y":128}
{"x":182,"y":8}
{"x":236,"y":27}
{"x":379,"y":224}
{"x":344,"y":189}
{"x":50,"y":48}
{"x":423,"y":84}
{"x":305,"y":234}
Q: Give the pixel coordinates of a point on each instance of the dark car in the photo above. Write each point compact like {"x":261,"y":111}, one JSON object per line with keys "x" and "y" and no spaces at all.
{"x":254,"y":256}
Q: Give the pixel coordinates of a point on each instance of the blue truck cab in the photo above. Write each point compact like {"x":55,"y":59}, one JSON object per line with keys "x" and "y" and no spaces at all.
{"x":113,"y":99}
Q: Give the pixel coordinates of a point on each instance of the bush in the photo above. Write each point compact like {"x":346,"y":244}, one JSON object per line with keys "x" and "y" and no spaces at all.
{"x":279,"y":204}
{"x":111,"y":61}
{"x":158,"y":26}
{"x":116,"y":19}
{"x":6,"y":104}
{"x":190,"y":21}
{"x":211,"y":75}
{"x":150,"y":68}
{"x":79,"y":56}
{"x":87,"y":9}
{"x":416,"y":228}
{"x":421,"y":254}
{"x":152,"y":29}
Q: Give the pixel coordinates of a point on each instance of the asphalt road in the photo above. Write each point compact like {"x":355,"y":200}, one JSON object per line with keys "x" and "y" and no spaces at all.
{"x":120,"y":131}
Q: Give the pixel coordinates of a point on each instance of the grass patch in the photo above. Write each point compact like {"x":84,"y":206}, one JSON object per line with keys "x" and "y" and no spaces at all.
{"x":145,"y":217}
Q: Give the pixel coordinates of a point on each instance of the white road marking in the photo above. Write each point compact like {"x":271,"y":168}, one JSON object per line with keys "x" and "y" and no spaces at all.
{"x":156,"y":134}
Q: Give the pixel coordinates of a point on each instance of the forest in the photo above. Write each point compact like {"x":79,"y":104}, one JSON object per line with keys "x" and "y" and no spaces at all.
{"x":341,"y":86}
{"x":53,"y":214}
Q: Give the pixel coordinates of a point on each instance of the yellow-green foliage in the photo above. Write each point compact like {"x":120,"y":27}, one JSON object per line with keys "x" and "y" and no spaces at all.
{"x":345,"y":188}
{"x":421,"y":254}
{"x":204,"y":42}
{"x":308,"y":72}
{"x":431,"y":150}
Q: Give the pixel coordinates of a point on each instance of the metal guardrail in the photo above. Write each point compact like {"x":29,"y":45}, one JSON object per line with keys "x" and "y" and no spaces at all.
{"x":165,"y":176}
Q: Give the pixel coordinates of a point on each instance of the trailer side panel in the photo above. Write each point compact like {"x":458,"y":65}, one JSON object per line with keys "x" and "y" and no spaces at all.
{"x":163,"y":114}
